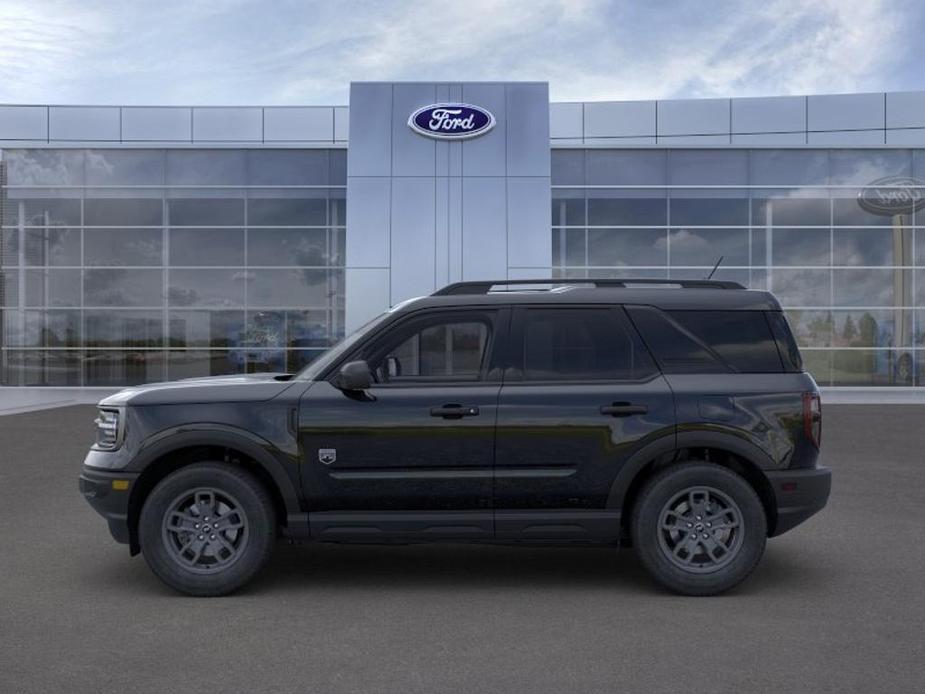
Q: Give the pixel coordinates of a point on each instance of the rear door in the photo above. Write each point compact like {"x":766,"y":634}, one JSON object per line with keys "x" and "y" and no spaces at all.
{"x":580,"y":397}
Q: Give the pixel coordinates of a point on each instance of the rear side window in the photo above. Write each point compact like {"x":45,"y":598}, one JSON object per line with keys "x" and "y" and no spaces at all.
{"x":710,"y":341}
{"x":742,"y":339}
{"x":676,"y":349}
{"x":786,"y":344}
{"x":581,"y":344}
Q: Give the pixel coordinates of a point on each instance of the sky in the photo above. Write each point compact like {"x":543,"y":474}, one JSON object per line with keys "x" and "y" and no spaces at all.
{"x":283,"y":52}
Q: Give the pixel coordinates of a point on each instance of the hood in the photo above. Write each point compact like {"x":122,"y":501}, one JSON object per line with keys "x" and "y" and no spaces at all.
{"x":242,"y":388}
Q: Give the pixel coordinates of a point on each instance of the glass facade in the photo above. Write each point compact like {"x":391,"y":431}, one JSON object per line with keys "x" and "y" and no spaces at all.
{"x":851,"y":277}
{"x":123,"y":266}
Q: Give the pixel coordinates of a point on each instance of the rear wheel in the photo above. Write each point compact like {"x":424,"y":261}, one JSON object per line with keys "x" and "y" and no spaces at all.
{"x":207,"y":529}
{"x":698,"y":528}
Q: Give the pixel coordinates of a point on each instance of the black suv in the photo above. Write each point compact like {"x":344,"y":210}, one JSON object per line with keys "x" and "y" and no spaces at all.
{"x":672,"y":416}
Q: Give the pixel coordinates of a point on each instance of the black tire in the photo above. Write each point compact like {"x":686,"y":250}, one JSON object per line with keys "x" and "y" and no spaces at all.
{"x":678,"y":501}
{"x":178,"y":508}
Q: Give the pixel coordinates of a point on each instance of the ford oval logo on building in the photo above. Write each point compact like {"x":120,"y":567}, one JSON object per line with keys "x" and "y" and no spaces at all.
{"x":893,"y":195}
{"x":451,"y":121}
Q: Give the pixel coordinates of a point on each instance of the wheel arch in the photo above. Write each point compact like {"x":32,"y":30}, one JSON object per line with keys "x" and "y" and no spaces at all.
{"x":727,"y":450}
{"x":176,"y":450}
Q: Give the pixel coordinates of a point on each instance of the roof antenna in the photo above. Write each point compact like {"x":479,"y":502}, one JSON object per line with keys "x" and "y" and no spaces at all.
{"x":715,"y":268}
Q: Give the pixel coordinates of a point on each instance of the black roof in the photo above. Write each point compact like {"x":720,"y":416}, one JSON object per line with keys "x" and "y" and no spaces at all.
{"x":664,"y":294}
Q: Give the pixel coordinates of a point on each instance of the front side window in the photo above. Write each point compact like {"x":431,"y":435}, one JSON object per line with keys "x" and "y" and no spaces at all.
{"x":578,"y":344}
{"x":439,"y":349}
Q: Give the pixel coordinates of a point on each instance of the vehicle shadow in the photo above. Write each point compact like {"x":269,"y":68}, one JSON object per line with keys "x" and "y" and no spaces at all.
{"x":408,"y":568}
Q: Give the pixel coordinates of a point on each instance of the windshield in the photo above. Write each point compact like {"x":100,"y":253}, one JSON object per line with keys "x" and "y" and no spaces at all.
{"x":310,"y":372}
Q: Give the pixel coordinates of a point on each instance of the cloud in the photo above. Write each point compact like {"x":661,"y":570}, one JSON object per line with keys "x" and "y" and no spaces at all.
{"x":242,"y":51}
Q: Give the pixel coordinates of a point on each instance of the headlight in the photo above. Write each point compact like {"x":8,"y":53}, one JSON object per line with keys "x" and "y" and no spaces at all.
{"x":108,"y":429}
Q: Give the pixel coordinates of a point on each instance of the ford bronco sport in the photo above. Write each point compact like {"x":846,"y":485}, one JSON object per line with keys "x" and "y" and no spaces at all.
{"x":673,"y":416}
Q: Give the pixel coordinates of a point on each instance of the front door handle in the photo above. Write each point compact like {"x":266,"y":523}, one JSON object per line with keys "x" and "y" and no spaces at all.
{"x":623,"y":409}
{"x":453,"y":411}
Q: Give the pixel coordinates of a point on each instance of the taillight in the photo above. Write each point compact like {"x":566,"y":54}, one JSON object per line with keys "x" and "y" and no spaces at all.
{"x":812,"y":418}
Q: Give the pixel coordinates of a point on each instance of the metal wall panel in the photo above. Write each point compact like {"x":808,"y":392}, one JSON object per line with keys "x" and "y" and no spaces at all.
{"x":222,"y":124}
{"x":341,"y":123}
{"x":693,"y":117}
{"x":366,"y":295}
{"x":566,"y":120}
{"x":23,"y":123}
{"x":412,"y":155}
{"x":84,"y":123}
{"x":909,"y":136}
{"x":449,"y":215}
{"x":413,"y":242}
{"x":847,"y":137}
{"x":527,"y":130}
{"x":769,"y":139}
{"x":905,"y":110}
{"x":370,"y":151}
{"x":525,"y":221}
{"x":484,"y":218}
{"x":157,"y":124}
{"x":776,"y":114}
{"x":368,"y":216}
{"x":298,"y":124}
{"x":620,"y":119}
{"x":845,"y":111}
{"x":672,"y":140}
{"x":486,"y":155}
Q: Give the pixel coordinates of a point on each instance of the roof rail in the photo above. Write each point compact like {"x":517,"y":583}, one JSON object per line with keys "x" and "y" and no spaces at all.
{"x":484,"y":287}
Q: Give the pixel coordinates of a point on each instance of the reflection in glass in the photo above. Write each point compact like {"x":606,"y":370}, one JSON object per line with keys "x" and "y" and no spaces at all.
{"x":196,"y":364}
{"x":882,"y":367}
{"x":118,"y":368}
{"x":206,"y":211}
{"x":796,"y":288}
{"x":619,"y":247}
{"x":801,"y":247}
{"x":52,"y":246}
{"x":119,"y":287}
{"x":123,"y":247}
{"x":296,"y":288}
{"x":52,"y":287}
{"x":708,"y":211}
{"x":291,"y":247}
{"x":206,"y":328}
{"x":51,"y":329}
{"x":199,"y":247}
{"x":120,"y":328}
{"x":869,"y":287}
{"x":219,"y":288}
{"x":705,"y":246}
{"x":288,"y":211}
{"x":139,"y":212}
{"x":607,"y":208}
{"x":113,"y":167}
{"x":811,"y":328}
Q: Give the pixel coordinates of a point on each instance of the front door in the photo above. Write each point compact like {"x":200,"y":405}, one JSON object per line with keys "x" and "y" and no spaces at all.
{"x":581,"y":395}
{"x":415,"y":452}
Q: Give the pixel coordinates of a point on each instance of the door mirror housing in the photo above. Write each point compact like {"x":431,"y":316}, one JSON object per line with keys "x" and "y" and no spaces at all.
{"x":354,"y":376}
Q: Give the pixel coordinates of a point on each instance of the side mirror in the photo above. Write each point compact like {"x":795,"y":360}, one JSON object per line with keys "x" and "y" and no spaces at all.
{"x":354,"y":375}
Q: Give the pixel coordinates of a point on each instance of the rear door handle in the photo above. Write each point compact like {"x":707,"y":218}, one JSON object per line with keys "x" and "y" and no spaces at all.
{"x":454,"y":411}
{"x":623,"y":409}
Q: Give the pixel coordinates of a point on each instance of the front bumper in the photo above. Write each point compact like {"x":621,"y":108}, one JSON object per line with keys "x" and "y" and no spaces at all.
{"x":108,"y":493}
{"x":799,"y":494}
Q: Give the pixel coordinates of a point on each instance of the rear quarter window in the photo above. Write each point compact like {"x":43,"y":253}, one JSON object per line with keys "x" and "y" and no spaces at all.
{"x":709,"y":341}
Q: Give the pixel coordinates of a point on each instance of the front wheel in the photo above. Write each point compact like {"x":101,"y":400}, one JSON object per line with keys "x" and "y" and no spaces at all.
{"x":698,"y":528}
{"x":207,"y":529}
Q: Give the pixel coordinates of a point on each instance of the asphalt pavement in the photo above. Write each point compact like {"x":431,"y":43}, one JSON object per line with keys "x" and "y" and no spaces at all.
{"x":837,"y":605}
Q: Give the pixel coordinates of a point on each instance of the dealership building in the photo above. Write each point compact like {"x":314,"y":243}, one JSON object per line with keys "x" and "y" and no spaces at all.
{"x":148,"y":243}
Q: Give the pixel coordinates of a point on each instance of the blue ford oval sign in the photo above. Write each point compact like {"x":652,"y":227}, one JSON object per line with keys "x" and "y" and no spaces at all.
{"x":451,"y":121}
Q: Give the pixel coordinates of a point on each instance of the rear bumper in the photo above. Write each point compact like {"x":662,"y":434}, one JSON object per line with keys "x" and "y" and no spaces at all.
{"x":110,"y":501}
{"x":799,"y":494}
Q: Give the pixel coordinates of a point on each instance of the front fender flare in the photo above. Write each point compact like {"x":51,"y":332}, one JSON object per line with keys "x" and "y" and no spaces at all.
{"x":260,"y":450}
